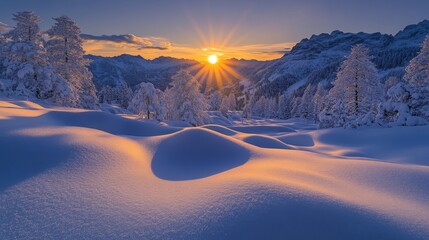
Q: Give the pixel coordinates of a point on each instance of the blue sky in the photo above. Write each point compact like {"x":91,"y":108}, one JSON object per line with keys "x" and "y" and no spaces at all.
{"x":256,"y":28}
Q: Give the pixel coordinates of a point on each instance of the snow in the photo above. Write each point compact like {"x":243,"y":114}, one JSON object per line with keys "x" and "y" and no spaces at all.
{"x":78,"y":174}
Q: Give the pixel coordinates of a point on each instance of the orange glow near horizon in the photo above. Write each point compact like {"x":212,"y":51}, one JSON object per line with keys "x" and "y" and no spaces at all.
{"x":213,"y":38}
{"x":216,"y":72}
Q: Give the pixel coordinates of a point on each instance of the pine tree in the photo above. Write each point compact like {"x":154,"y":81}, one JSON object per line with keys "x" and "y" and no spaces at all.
{"x":26,"y":60}
{"x":146,"y":102}
{"x":67,"y":58}
{"x":417,"y":76}
{"x":284,"y":106}
{"x":259,"y":107}
{"x":271,"y":108}
{"x":319,"y":100}
{"x":184,"y":101}
{"x":2,"y":54}
{"x":306,"y":108}
{"x":356,"y":94}
{"x":296,"y":107}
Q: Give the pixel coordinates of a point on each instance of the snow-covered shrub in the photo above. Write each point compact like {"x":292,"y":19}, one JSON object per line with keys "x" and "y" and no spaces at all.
{"x":146,"y":102}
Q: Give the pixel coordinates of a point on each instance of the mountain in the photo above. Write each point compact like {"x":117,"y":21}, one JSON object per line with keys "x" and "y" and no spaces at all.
{"x":317,"y":59}
{"x":135,"y":69}
{"x":310,"y":61}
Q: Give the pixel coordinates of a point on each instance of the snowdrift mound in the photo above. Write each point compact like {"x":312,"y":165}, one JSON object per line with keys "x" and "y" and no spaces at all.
{"x":197,"y":153}
{"x":109,"y":123}
{"x":404,"y":144}
{"x":265,"y":129}
{"x":18,"y":165}
{"x":266,"y":142}
{"x":300,"y":139}
{"x":221,"y":129}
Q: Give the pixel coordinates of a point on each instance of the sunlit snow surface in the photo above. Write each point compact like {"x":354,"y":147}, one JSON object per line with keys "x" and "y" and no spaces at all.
{"x":75,"y":174}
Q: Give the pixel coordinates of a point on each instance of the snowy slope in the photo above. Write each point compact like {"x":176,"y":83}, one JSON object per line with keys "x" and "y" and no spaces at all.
{"x":75,"y":174}
{"x":317,"y":58}
{"x":135,"y":69}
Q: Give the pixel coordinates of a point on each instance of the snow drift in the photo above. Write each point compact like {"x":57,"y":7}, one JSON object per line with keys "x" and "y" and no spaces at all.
{"x":73,"y":174}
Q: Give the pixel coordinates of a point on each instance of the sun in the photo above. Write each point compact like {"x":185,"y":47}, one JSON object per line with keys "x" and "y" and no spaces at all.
{"x":212,"y":59}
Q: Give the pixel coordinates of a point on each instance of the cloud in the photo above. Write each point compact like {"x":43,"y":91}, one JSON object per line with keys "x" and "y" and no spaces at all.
{"x":4,"y":27}
{"x":130,"y":40}
{"x":153,"y":47}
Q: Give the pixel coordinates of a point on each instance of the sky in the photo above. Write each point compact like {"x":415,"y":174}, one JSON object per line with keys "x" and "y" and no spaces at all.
{"x":194,"y":29}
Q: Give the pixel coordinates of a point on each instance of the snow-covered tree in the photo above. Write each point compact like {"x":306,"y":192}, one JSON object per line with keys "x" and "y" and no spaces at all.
{"x":306,"y":107}
{"x":106,"y":94}
{"x":25,"y":59}
{"x":2,"y":54}
{"x":258,"y":108}
{"x":271,"y":108}
{"x":184,"y":101}
{"x":66,"y":55}
{"x":284,"y":106}
{"x":357,"y":92}
{"x":63,"y":92}
{"x":390,"y":82}
{"x":296,"y":106}
{"x":215,"y":100}
{"x":249,"y":103}
{"x":319,"y":100}
{"x":124,"y":94}
{"x":395,"y":111}
{"x":229,"y":103}
{"x":146,"y":102}
{"x":417,"y":76}
{"x":408,"y":102}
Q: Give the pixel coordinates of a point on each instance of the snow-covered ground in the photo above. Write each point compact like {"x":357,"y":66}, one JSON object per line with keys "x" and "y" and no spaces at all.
{"x":75,"y":174}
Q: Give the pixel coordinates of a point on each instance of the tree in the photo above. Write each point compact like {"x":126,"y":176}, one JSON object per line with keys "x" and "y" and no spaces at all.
{"x":306,"y":107}
{"x":271,"y":108}
{"x":184,"y":101}
{"x":2,"y":53}
{"x":258,"y":108}
{"x":106,"y":94}
{"x":417,"y":76}
{"x":67,"y":58}
{"x":395,"y":111}
{"x":356,"y":94}
{"x":123,"y":94}
{"x":215,"y":100}
{"x":250,"y":101}
{"x":228,"y":103}
{"x":319,"y":100}
{"x":408,"y":102}
{"x":146,"y":100}
{"x":26,"y":60}
{"x":284,"y":106}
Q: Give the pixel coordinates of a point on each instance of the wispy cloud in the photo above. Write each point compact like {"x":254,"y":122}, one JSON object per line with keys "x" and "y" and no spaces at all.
{"x":152,"y":47}
{"x":131,"y":40}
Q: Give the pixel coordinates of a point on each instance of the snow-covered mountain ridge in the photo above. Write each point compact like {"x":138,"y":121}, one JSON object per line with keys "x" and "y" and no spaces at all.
{"x":317,"y":58}
{"x":311,"y":60}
